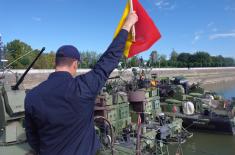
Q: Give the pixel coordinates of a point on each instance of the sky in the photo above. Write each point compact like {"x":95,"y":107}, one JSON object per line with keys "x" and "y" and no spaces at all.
{"x":185,"y":25}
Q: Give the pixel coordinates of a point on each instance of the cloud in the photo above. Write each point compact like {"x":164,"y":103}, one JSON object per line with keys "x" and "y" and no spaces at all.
{"x":210,"y":24}
{"x":197,"y":36}
{"x":160,"y":4}
{"x":165,"y":5}
{"x":37,"y":19}
{"x":172,"y":7}
{"x":222,"y":35}
{"x":214,"y":29}
{"x":229,"y":8}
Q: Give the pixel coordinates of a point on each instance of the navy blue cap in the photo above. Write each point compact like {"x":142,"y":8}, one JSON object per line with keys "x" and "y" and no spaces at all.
{"x":68,"y":51}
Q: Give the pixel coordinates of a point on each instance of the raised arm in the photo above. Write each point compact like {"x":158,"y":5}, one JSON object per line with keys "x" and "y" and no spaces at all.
{"x":96,"y":78}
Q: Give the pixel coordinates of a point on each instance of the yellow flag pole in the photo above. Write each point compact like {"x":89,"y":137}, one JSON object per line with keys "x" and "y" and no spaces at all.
{"x":133,"y":27}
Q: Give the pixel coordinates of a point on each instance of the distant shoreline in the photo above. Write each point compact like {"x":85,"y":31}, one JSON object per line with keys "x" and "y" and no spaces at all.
{"x":206,"y":76}
{"x":81,"y":70}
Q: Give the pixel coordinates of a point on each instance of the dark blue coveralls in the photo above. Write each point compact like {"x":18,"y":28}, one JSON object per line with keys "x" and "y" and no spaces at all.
{"x":59,"y":112}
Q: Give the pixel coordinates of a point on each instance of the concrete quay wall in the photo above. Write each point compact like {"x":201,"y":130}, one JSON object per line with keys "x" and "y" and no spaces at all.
{"x":204,"y":75}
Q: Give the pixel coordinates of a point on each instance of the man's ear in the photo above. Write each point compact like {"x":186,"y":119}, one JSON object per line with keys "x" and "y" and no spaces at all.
{"x":78,"y":63}
{"x":75,"y":64}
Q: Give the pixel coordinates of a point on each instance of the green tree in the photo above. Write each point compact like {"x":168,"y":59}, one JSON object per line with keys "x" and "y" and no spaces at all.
{"x":218,"y":61}
{"x":173,"y":58}
{"x":228,"y":62}
{"x":203,"y":58}
{"x":89,"y":59}
{"x":50,"y":58}
{"x":184,"y":59}
{"x":133,"y":62}
{"x":16,"y":49}
{"x":162,"y":60}
{"x":45,"y":61}
{"x":153,"y":58}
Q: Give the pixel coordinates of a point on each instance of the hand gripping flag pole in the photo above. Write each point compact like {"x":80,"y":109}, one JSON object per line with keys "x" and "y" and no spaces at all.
{"x":133,"y":27}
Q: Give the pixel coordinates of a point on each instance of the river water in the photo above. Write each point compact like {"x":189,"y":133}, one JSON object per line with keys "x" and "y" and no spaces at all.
{"x":211,"y":143}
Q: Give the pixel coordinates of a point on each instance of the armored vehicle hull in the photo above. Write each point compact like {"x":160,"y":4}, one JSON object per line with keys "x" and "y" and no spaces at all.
{"x":18,"y":149}
{"x":200,"y":110}
{"x":216,"y":124}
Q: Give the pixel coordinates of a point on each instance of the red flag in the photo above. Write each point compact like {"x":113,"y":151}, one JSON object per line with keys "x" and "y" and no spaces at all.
{"x":146,"y":31}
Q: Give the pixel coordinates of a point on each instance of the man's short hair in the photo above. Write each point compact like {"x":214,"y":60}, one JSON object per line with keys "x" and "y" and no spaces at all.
{"x":64,"y":61}
{"x":66,"y":55}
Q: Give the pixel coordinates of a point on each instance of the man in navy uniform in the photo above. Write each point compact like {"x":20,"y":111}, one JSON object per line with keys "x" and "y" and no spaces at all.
{"x":59,"y":111}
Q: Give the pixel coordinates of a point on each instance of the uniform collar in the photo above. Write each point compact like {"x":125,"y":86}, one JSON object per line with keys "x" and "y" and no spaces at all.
{"x":60,"y":74}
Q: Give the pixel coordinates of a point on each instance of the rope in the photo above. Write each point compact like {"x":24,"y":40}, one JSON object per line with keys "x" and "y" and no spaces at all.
{"x":17,"y":59}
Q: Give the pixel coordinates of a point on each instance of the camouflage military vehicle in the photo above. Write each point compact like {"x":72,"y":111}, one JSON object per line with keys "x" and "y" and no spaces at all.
{"x":129,"y":119}
{"x":12,"y":131}
{"x":200,"y":110}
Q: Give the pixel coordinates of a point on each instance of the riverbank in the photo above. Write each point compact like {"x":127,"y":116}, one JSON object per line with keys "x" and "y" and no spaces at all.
{"x":206,"y":76}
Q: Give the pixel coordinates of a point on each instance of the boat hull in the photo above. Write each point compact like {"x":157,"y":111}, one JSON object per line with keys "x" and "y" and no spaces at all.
{"x":217,"y":125}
